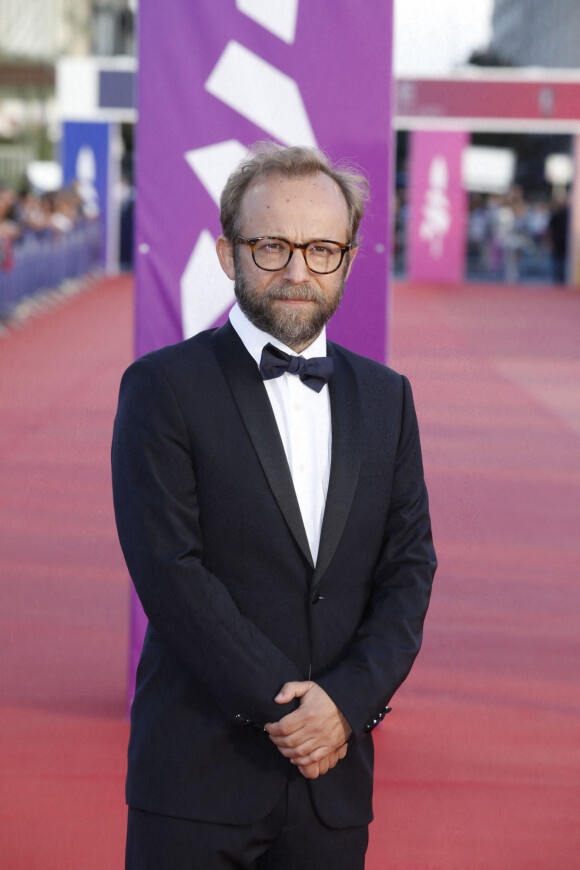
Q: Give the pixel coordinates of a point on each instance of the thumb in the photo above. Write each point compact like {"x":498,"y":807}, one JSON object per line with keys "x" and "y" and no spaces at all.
{"x":289,"y":691}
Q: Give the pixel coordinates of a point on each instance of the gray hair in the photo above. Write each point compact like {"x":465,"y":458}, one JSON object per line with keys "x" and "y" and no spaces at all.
{"x":267,"y":158}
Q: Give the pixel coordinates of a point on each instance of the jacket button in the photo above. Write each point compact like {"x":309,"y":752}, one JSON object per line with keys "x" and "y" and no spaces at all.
{"x":316,"y":599}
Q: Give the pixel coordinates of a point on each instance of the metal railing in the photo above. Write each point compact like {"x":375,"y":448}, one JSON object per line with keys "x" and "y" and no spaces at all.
{"x":43,"y":263}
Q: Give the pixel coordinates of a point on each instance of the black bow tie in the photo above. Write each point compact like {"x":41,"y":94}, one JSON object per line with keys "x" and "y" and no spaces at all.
{"x":314,"y":372}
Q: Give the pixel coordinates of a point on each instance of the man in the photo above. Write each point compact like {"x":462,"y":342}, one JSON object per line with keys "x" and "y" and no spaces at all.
{"x":271,"y":507}
{"x":558,"y":234}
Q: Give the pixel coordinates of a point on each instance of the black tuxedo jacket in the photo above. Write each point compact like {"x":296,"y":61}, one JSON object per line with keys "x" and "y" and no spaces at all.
{"x":214,"y":541}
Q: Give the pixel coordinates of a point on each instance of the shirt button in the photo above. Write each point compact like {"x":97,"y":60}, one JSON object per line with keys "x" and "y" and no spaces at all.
{"x":297,"y":406}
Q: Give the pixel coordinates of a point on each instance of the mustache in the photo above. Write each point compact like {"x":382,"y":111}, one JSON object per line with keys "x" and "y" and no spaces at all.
{"x":294,"y":291}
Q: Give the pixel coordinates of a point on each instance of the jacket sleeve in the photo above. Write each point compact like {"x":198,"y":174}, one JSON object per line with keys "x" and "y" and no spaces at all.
{"x":157,"y":515}
{"x":390,"y":634}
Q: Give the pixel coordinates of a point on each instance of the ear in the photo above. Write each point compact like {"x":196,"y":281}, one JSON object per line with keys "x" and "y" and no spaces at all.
{"x":353,"y":254}
{"x":225,"y":252}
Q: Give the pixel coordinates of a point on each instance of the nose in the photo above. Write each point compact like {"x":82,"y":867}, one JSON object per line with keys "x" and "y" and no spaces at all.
{"x":297,"y":271}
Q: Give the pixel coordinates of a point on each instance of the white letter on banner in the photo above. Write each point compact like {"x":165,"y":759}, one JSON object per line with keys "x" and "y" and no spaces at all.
{"x":277,"y":16}
{"x":436,"y":210}
{"x":206,"y":291}
{"x":271,"y":100}
{"x":262,"y":94}
{"x":215,"y":163}
{"x":206,"y":294}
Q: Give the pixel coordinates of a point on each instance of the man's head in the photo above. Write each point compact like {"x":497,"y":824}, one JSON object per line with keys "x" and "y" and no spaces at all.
{"x":292,"y":195}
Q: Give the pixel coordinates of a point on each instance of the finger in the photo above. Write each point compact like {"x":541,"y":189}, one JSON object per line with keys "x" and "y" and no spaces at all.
{"x":292,"y":690}
{"x":318,"y":755}
{"x":337,"y":755}
{"x":300,"y":738}
{"x":296,"y":721}
{"x":315,"y":756}
{"x":291,"y":723}
{"x":324,"y":765}
{"x":296,"y":744}
{"x":287,"y":727}
{"x":299,"y":754}
{"x":310,"y":771}
{"x":296,"y":730}
{"x":332,"y":760}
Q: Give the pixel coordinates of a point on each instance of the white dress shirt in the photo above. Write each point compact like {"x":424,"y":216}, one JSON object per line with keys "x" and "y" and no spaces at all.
{"x":303,"y":418}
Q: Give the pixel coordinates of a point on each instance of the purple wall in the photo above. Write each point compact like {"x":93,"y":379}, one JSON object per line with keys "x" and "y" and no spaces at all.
{"x":437,"y":207}
{"x":217,"y":75}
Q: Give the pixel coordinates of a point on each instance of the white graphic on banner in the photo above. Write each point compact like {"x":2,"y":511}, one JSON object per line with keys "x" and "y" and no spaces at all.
{"x":215,"y":163}
{"x":436,"y":210}
{"x":268,"y":98}
{"x":86,"y":176}
{"x":262,"y":94}
{"x":206,"y":291}
{"x":277,"y":16}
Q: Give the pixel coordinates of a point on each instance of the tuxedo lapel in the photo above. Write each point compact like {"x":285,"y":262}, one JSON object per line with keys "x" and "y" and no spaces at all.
{"x":256,"y":412}
{"x":345,"y":464}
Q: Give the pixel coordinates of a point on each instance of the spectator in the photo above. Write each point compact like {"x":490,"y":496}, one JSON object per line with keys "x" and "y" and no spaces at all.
{"x":9,"y":229}
{"x":558,"y":229}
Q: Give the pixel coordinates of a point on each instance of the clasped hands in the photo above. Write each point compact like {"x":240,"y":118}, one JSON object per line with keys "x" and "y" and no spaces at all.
{"x":314,"y":736}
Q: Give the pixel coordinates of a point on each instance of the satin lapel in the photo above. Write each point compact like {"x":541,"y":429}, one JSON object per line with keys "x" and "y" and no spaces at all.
{"x":345,"y":464}
{"x":256,"y":412}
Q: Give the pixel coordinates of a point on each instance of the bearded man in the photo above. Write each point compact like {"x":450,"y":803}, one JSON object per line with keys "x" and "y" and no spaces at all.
{"x":272,"y":511}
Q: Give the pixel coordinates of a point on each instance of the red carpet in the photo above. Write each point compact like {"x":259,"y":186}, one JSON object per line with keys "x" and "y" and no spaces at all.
{"x":479,"y":762}
{"x":63,"y":588}
{"x":478,"y":766}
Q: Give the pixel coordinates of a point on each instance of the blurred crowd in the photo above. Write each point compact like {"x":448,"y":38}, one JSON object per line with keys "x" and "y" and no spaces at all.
{"x":510,"y":238}
{"x":508,"y":234}
{"x":26,"y":213}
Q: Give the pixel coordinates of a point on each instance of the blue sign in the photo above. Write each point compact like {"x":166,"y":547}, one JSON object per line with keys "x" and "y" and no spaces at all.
{"x":85,"y":152}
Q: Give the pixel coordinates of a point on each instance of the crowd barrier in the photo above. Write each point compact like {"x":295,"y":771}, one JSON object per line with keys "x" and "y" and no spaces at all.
{"x":44,"y":263}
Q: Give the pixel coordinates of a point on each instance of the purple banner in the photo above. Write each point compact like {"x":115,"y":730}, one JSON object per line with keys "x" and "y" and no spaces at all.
{"x":218,"y":75}
{"x":437,"y":207}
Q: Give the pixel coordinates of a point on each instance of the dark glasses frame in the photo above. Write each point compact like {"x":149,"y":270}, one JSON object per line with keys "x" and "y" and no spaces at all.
{"x":294,"y":246}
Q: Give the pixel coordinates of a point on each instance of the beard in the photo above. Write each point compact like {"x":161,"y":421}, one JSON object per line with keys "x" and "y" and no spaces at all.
{"x":298,"y":327}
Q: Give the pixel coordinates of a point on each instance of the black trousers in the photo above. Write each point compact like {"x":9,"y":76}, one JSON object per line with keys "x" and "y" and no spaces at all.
{"x":291,"y":837}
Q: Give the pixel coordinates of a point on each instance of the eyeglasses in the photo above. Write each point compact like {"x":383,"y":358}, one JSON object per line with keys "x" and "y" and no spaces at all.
{"x":272,"y":254}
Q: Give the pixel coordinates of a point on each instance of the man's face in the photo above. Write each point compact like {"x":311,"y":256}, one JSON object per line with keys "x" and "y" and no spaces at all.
{"x":292,"y":304}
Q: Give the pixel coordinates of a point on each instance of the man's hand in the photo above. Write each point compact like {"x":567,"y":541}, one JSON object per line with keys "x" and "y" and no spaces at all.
{"x":319,"y":768}
{"x":313,"y":737}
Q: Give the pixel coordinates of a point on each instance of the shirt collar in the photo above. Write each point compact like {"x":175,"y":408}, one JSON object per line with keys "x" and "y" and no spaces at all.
{"x":255,"y":339}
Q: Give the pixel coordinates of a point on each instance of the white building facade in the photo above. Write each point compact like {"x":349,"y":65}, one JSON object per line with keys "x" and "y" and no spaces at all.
{"x":43,"y":30}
